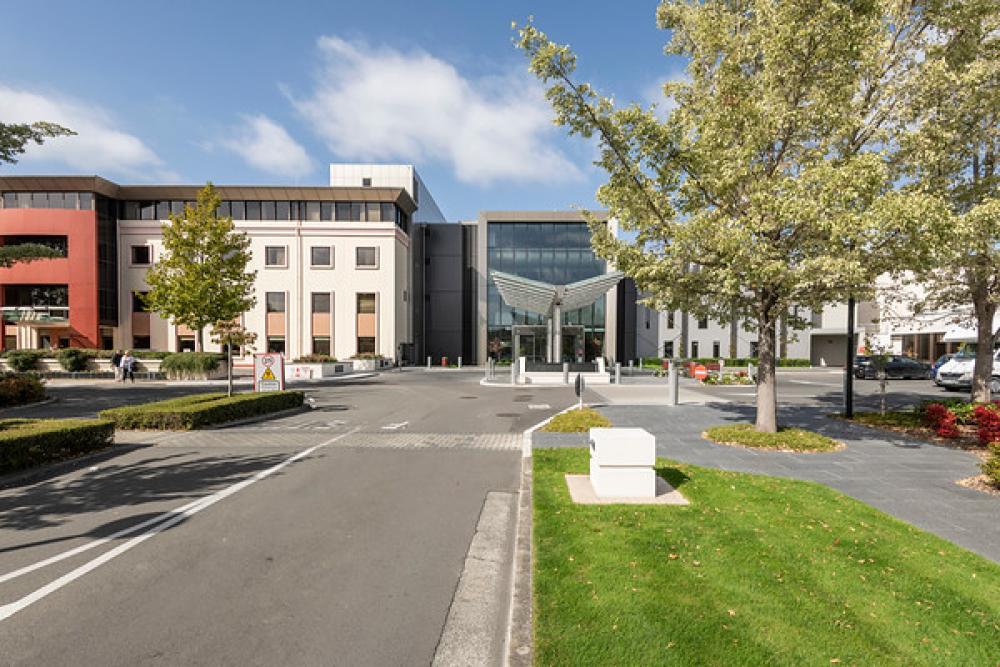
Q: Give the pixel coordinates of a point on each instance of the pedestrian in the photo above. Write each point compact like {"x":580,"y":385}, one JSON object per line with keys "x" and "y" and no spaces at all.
{"x":116,"y":362}
{"x":128,"y":366}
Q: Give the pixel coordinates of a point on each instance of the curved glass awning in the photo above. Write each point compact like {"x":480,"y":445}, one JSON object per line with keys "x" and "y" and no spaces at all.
{"x":539,"y":297}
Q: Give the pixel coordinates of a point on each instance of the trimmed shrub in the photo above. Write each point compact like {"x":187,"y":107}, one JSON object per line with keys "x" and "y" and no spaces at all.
{"x":787,"y":438}
{"x":368,"y":355}
{"x":744,"y":361}
{"x":30,"y":442}
{"x":20,"y":388}
{"x":190,"y":365}
{"x":200,"y":410}
{"x":73,"y":359}
{"x":23,"y":361}
{"x":315,"y":359}
{"x":580,"y":420}
{"x":941,"y":419}
{"x":991,"y":466}
{"x":988,"y":421}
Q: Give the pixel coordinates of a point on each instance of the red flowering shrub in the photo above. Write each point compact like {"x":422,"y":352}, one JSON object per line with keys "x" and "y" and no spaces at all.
{"x":941,"y":419}
{"x":988,"y":420}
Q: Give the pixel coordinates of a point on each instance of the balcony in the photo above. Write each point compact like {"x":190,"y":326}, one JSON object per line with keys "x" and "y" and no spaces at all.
{"x":35,"y":314}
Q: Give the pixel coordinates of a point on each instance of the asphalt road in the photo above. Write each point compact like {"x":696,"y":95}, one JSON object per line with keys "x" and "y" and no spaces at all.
{"x":346,"y":555}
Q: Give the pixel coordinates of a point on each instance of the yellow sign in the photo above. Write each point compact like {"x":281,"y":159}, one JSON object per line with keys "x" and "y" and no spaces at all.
{"x":268,"y":375}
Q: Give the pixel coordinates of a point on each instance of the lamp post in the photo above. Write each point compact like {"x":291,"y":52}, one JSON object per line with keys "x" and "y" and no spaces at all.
{"x":849,"y":364}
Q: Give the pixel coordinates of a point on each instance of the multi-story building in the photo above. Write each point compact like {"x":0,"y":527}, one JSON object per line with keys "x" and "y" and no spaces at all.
{"x":333,"y":263}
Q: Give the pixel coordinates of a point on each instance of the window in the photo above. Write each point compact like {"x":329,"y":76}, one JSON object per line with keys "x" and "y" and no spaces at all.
{"x":754,"y":349}
{"x":373,"y":212}
{"x":138,"y":305}
{"x":321,"y":302}
{"x":86,"y":201}
{"x":162,"y":210}
{"x":343,"y":210}
{"x":238,"y":209}
{"x":366,"y":345}
{"x":321,"y":345}
{"x":312,"y":211}
{"x":366,"y":258}
{"x":668,"y":349}
{"x":185,"y":343}
{"x":716,"y":349}
{"x":142,"y":255}
{"x":275,"y":256}
{"x":147,"y":210}
{"x":670,"y":320}
{"x":282,"y":210}
{"x":702,"y":322}
{"x":267,"y":211}
{"x":694,"y":349}
{"x":366,"y":182}
{"x":366,"y":304}
{"x":275,"y":302}
{"x":140,"y":342}
{"x":321,"y":255}
{"x":9,"y":200}
{"x":326,"y":210}
{"x":646,"y":313}
{"x":253,"y":210}
{"x":388,"y":212}
{"x":276,"y":344}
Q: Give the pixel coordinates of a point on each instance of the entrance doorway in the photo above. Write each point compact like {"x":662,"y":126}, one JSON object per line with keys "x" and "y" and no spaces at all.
{"x":531,"y":342}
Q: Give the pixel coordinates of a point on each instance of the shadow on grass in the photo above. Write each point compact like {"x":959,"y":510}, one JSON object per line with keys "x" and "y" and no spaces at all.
{"x":675,"y":478}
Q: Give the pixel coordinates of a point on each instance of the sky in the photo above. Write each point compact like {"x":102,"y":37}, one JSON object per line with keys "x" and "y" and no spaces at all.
{"x":271,"y":93}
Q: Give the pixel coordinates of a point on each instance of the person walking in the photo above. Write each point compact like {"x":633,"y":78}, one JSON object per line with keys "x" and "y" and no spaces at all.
{"x":128,"y":366}
{"x":116,"y":363}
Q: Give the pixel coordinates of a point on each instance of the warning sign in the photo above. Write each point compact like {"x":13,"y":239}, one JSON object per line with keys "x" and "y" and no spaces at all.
{"x":268,"y":372}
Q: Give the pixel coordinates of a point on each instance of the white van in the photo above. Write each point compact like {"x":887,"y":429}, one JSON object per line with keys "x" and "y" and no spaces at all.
{"x":956,"y":374}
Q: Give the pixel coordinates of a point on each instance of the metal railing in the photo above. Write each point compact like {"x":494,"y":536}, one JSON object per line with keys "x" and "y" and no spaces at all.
{"x":35,"y":313}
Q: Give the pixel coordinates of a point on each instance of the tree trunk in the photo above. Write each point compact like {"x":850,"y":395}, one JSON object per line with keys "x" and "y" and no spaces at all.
{"x":229,"y":369}
{"x":983,"y":372}
{"x":733,"y":337}
{"x":767,"y":390}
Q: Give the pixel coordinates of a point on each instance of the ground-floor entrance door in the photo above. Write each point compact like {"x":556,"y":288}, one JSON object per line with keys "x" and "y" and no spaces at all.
{"x":531,"y":342}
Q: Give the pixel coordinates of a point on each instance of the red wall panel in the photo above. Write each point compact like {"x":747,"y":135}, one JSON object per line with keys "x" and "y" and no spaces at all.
{"x":78,"y":270}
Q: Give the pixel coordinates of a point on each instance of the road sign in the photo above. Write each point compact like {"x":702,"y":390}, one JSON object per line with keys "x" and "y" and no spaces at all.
{"x":700,"y":372}
{"x":268,"y":372}
{"x":579,"y":384}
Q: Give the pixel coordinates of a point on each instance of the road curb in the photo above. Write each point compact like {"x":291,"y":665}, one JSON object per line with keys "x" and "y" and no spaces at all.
{"x":519,"y":640}
{"x":56,"y":468}
{"x":258,"y":418}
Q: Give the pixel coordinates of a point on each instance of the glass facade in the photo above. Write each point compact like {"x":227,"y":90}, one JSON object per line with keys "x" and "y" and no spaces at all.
{"x":558,"y":253}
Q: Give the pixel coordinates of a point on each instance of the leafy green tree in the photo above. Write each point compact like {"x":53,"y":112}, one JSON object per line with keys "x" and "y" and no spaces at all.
{"x":202,"y":277}
{"x":25,"y":252}
{"x":764,"y":189}
{"x":232,"y":334}
{"x":13,"y":139}
{"x":15,"y":136}
{"x":953,"y":152}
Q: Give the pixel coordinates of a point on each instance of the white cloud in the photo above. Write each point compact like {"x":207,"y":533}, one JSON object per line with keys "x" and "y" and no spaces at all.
{"x":266,"y":145}
{"x":378,"y":103}
{"x":97,"y":147}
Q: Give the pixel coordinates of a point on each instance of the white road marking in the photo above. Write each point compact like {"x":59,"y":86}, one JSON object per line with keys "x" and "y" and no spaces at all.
{"x":539,"y":406}
{"x":394,"y":427}
{"x":153,"y":526}
{"x":820,"y":384}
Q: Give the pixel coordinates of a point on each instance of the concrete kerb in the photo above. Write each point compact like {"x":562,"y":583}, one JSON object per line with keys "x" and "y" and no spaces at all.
{"x":44,"y":401}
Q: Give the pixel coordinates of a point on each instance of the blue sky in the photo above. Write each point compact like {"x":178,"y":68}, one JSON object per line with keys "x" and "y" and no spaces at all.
{"x":254,"y":92}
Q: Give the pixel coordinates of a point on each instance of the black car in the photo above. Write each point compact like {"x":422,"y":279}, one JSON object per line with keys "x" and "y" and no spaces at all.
{"x":861,"y":362}
{"x":898,"y":368}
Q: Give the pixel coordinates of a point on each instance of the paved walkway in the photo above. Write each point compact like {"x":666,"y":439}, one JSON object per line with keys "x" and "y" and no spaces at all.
{"x":910,"y":479}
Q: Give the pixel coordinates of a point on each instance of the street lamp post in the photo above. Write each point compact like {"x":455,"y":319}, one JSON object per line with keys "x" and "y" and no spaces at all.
{"x":849,"y":364}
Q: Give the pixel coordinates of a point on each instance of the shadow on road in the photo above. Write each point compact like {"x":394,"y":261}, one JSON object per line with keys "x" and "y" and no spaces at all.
{"x":155,"y":478}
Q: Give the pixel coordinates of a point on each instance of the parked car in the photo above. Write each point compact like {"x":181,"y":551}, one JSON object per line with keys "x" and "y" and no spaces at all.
{"x":941,"y":361}
{"x":899,"y":368}
{"x":956,"y":375}
{"x":861,"y":362}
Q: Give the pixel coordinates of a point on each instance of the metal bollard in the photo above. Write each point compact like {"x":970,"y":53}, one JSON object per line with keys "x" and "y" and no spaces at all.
{"x":672,"y":385}
{"x":513,"y":370}
{"x":618,"y":372}
{"x":565,"y":372}
{"x":460,"y":362}
{"x":428,"y":363}
{"x":722,"y":369}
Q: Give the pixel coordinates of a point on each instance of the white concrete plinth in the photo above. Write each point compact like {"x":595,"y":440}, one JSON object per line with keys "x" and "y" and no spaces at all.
{"x":621,"y":462}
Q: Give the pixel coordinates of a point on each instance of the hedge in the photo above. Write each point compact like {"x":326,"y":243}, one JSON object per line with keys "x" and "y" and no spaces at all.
{"x":23,"y":361}
{"x":30,"y":442}
{"x":190,"y":365}
{"x":73,"y":359}
{"x":20,"y":388}
{"x":89,"y":352}
{"x":315,"y":359}
{"x":200,"y":410}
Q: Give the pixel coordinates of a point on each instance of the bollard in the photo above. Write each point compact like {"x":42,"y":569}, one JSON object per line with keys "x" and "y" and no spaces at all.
{"x":460,"y":362}
{"x":722,"y":368}
{"x":487,"y":371}
{"x":428,"y":363}
{"x":750,"y":371}
{"x":672,"y":385}
{"x":618,"y":372}
{"x":513,"y":371}
{"x":565,"y":372}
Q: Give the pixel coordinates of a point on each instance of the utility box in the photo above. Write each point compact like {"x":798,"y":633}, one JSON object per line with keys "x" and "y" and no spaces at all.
{"x":621,"y":462}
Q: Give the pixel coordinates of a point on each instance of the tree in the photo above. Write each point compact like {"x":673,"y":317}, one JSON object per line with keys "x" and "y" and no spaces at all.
{"x":13,"y":139}
{"x":232,"y":334}
{"x":953,"y":152}
{"x":15,"y":136}
{"x":25,"y":252}
{"x":202,"y":277}
{"x":762,"y":190}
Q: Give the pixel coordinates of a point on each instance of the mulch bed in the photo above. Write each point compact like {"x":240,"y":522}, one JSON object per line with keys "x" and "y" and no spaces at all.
{"x":979,"y":483}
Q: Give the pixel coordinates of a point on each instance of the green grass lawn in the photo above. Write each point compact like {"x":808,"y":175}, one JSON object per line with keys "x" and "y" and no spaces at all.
{"x":787,"y":438}
{"x":757,"y":570}
{"x":577,"y":421}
